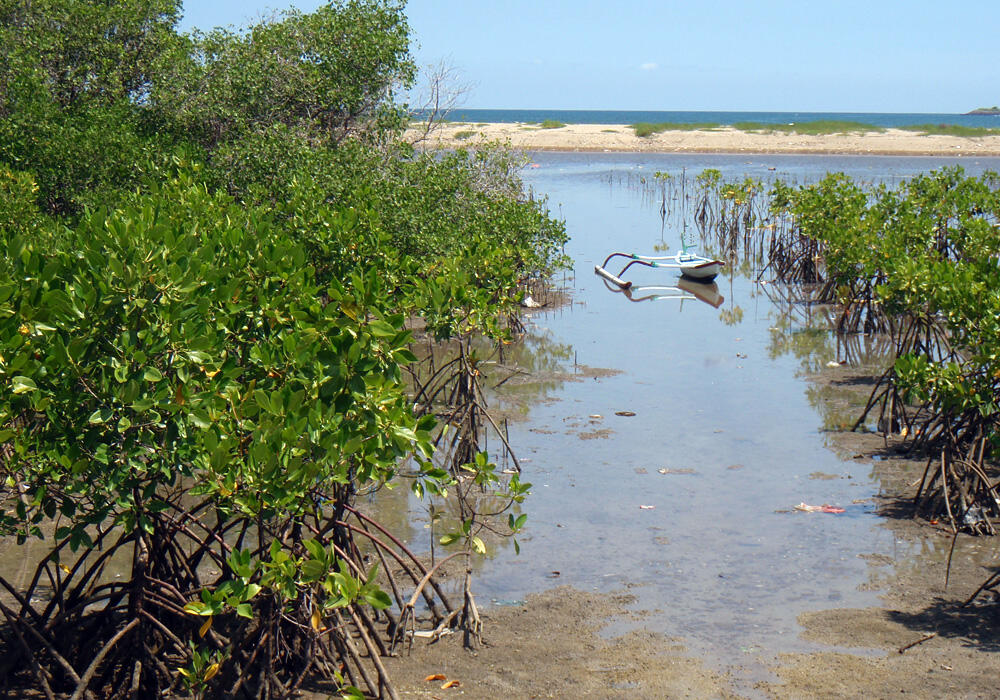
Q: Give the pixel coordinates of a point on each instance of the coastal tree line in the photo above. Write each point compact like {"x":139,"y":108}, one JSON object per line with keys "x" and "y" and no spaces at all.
{"x":217,"y":248}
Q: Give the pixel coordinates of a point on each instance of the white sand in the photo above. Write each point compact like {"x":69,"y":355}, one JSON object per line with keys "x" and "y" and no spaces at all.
{"x":618,"y":137}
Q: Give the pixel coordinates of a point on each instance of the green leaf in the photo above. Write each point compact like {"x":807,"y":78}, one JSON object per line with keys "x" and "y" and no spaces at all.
{"x":101,"y":415}
{"x":315,"y":549}
{"x":151,"y":374}
{"x":381,"y":329}
{"x":313,"y":569}
{"x":23,"y":385}
{"x":376,"y":597}
{"x":197,"y":608}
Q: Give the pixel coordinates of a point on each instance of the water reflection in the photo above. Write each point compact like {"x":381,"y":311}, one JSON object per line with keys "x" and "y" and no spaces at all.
{"x":706,"y":292}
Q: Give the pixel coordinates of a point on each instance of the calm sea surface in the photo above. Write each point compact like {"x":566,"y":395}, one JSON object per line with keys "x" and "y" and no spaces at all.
{"x":633,"y":117}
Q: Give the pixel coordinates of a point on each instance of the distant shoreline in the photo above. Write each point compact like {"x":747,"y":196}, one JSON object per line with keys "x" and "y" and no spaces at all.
{"x":622,"y":138}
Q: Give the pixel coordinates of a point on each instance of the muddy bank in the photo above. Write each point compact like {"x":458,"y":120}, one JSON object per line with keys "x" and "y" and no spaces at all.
{"x":550,"y":647}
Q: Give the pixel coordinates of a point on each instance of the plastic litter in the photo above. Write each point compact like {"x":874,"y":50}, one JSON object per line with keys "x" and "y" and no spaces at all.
{"x":825,"y":508}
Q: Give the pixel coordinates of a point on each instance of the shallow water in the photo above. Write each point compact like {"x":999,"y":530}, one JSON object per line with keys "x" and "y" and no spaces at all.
{"x":722,"y":406}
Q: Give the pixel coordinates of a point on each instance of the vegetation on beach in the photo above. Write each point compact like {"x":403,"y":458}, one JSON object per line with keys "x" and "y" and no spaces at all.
{"x":644,"y":129}
{"x":813,"y":128}
{"x":820,"y":127}
{"x":218,"y":243}
{"x":952,"y":130}
{"x":552,"y":124}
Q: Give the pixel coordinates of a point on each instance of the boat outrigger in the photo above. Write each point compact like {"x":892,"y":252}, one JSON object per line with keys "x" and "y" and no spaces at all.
{"x":692,"y":266}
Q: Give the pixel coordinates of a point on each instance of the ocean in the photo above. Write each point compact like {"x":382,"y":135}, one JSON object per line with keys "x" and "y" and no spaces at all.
{"x":589,"y":116}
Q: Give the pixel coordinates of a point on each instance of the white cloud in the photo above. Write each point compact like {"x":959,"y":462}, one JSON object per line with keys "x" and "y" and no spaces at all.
{"x":648,"y":66}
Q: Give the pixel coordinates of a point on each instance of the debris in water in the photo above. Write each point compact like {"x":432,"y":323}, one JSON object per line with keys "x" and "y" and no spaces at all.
{"x":825,"y":508}
{"x":505,"y":604}
{"x":627,"y":414}
{"x":646,"y":507}
{"x":430,"y":634}
{"x":826,"y":477}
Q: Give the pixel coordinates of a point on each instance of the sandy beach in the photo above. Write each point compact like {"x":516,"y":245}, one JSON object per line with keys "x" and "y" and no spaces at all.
{"x":622,"y":138}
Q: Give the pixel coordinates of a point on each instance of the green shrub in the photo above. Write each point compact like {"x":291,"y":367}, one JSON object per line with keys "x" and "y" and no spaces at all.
{"x":819,"y":127}
{"x":952,"y":130}
{"x":175,"y":363}
{"x":644,"y":129}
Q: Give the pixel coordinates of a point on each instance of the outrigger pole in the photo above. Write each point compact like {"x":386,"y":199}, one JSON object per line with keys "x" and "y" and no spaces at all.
{"x":693,"y":266}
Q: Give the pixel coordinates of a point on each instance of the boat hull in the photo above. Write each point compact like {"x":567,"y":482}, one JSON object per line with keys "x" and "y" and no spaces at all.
{"x":703,"y":272}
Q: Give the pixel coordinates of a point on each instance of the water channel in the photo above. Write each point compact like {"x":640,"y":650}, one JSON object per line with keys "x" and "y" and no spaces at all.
{"x":690,"y":501}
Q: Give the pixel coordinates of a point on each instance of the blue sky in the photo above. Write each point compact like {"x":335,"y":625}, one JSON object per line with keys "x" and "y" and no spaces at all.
{"x":785,"y":55}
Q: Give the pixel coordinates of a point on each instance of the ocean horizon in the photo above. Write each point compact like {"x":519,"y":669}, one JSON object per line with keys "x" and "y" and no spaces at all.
{"x":601,"y":116}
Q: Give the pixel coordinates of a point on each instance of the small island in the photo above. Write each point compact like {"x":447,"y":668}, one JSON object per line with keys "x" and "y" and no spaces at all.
{"x":985,"y":110}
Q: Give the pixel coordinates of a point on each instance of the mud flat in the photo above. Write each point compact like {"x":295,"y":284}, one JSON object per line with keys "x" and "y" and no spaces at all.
{"x":622,"y":138}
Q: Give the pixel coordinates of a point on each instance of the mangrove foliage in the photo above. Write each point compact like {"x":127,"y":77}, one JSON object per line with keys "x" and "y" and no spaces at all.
{"x":217,"y":251}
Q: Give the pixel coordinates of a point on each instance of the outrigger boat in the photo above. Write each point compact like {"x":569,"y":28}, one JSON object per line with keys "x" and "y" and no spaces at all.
{"x":692,"y":266}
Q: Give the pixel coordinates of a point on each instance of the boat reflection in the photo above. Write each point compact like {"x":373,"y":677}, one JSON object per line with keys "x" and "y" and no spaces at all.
{"x":707,"y":292}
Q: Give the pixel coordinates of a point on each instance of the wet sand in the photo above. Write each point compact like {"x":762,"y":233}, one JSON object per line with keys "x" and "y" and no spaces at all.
{"x":622,"y":138}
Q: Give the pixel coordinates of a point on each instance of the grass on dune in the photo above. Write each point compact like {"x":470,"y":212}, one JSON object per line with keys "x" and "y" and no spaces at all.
{"x":952,"y":130}
{"x":643,"y":129}
{"x":816,"y":128}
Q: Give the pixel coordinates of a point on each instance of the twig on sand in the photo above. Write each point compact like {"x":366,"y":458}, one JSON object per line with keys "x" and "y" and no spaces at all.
{"x":926,"y":637}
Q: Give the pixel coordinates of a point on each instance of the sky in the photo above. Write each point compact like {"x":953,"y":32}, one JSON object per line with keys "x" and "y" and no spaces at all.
{"x":724,"y":55}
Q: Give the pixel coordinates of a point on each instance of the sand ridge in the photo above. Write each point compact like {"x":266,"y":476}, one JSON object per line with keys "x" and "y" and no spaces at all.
{"x":622,"y":138}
